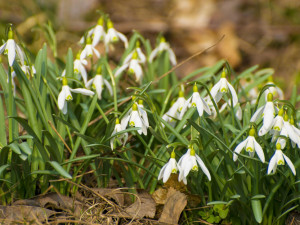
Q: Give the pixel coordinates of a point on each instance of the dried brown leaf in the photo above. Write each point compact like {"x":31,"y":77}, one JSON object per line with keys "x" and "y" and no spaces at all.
{"x":115,"y":194}
{"x":176,"y":202}
{"x":9,"y":214}
{"x":144,"y":206}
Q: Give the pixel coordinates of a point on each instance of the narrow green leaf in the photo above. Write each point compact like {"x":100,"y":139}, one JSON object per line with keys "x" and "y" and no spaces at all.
{"x":3,"y":168}
{"x":3,"y":141}
{"x":25,"y":148}
{"x":60,"y":169}
{"x":257,"y":211}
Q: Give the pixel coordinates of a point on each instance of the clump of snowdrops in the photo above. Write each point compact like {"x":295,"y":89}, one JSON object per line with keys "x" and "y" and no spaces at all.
{"x":232,"y":138}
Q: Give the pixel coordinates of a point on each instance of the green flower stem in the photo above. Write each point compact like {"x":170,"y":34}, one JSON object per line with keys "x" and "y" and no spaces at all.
{"x":113,"y":83}
{"x":102,"y":113}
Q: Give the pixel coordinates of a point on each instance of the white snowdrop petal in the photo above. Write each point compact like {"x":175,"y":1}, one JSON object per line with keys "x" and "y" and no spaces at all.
{"x":259,"y":151}
{"x":239,"y":148}
{"x":290,"y":164}
{"x":272,"y":163}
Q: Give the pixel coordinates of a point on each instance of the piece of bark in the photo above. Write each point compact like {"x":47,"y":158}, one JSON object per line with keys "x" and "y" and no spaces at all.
{"x":175,"y":203}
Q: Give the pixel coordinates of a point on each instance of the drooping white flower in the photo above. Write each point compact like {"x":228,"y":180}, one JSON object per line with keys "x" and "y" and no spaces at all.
{"x":28,"y":70}
{"x":163,"y":46}
{"x":277,"y":125}
{"x":190,"y":161}
{"x":133,"y":68}
{"x":170,"y":167}
{"x":10,"y":47}
{"x":275,"y":91}
{"x":279,"y":158}
{"x":122,"y":137}
{"x":134,"y":119}
{"x":97,"y":33}
{"x":175,"y":110}
{"x":113,"y":36}
{"x":268,"y":112}
{"x":140,"y":55}
{"x":211,"y":106}
{"x":251,"y":146}
{"x":221,"y":87}
{"x":296,"y":130}
{"x":143,"y":112}
{"x":79,"y":67}
{"x":288,"y":131}
{"x":196,"y":101}
{"x":98,"y":83}
{"x":89,"y":50}
{"x":65,"y":95}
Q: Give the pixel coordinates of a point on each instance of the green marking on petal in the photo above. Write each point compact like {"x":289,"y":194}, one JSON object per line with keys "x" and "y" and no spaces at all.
{"x":280,"y":162}
{"x":69,"y":97}
{"x":249,"y":149}
{"x":277,"y":128}
{"x":174,"y":170}
{"x":131,"y":123}
{"x":115,"y":39}
{"x":195,"y":168}
{"x":194,"y":104}
{"x":224,"y":90}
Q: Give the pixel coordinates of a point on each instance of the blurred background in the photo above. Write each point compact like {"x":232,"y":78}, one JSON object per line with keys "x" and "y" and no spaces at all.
{"x":260,"y":32}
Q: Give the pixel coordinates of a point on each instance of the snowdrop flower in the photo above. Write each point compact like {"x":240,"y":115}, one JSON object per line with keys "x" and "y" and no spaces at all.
{"x":134,"y":119}
{"x":278,"y":159}
{"x":163,"y":46}
{"x":98,"y":83}
{"x":196,"y":101}
{"x":124,"y":136}
{"x":140,"y":55}
{"x":170,"y":167}
{"x":275,"y":91}
{"x":65,"y":95}
{"x":251,"y":146}
{"x":97,"y":33}
{"x":211,"y":106}
{"x":296,"y":130}
{"x":89,"y":49}
{"x":11,"y":48}
{"x":133,"y":68}
{"x":114,"y":36}
{"x":268,"y":112}
{"x":221,"y":87}
{"x":288,"y":131}
{"x":143,"y":112}
{"x":277,"y":125}
{"x":79,"y":67}
{"x":189,"y":162}
{"x":29,"y":71}
{"x":175,"y":110}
